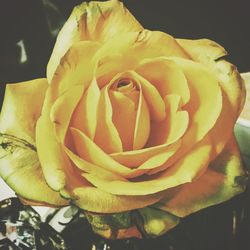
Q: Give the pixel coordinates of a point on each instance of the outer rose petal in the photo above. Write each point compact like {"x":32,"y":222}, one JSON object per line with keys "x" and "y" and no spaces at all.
{"x":22,"y":107}
{"x":183,"y":171}
{"x":19,"y":164}
{"x":166,"y":76}
{"x":52,"y":125}
{"x":208,"y":52}
{"x":96,"y":200}
{"x":116,"y":56}
{"x":92,"y":21}
{"x":202,"y":50}
{"x":223,"y":179}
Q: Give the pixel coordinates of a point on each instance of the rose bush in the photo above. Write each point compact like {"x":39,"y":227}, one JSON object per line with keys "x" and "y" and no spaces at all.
{"x":131,"y":125}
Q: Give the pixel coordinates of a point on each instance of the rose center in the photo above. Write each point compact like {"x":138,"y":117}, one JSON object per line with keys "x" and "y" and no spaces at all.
{"x":125,"y":86}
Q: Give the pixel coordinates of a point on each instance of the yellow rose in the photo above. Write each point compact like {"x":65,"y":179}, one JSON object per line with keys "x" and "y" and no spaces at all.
{"x":128,"y":121}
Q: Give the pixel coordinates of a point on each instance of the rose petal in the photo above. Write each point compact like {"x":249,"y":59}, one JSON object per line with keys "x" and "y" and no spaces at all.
{"x":76,"y":68}
{"x":166,"y":76}
{"x":91,"y":21}
{"x":159,"y":159}
{"x":90,"y":167}
{"x":50,"y":154}
{"x":172,"y":127}
{"x":202,"y":50}
{"x":208,"y":52}
{"x":152,"y":97}
{"x":142,"y":124}
{"x":184,"y":170}
{"x":20,"y":168}
{"x":116,"y":56}
{"x":205,"y":104}
{"x":19,"y":164}
{"x":106,"y":136}
{"x":223,"y":179}
{"x":135,"y":158}
{"x":21,"y":108}
{"x":62,"y":110}
{"x":94,"y":199}
{"x":84,"y":117}
{"x":124,"y":117}
{"x":90,"y":152}
{"x":233,"y":93}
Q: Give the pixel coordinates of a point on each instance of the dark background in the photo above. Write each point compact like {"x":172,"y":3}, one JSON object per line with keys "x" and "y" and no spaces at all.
{"x":36,"y":22}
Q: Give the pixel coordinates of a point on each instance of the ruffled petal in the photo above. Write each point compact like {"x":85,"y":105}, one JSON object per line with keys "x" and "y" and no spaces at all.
{"x":91,"y":21}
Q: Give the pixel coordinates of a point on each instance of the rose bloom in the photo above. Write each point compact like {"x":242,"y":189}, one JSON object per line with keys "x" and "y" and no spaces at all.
{"x":128,"y":122}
